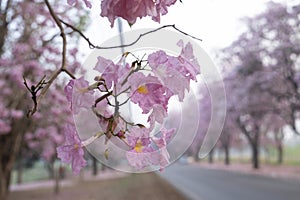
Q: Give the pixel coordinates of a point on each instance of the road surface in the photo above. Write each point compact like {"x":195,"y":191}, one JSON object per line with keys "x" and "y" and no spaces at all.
{"x":211,"y":184}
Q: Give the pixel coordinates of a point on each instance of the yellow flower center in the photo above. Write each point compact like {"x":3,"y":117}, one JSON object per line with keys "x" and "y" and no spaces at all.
{"x":138,"y":146}
{"x":83,"y":90}
{"x":76,"y":146}
{"x":143,"y":89}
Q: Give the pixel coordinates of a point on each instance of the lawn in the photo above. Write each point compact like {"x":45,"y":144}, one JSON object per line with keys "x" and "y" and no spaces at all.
{"x":132,"y":187}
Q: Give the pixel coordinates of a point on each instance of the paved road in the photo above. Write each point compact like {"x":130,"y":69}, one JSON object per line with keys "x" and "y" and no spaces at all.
{"x":211,"y":184}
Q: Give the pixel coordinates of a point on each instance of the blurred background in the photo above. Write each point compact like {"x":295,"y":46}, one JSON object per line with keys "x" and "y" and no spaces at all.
{"x":256,"y":47}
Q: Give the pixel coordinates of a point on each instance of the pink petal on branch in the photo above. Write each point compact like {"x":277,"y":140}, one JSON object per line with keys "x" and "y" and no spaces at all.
{"x":188,"y":60}
{"x":162,"y":142}
{"x":162,"y":8}
{"x":141,"y":154}
{"x":157,"y":115}
{"x":147,"y":91}
{"x":175,"y":72}
{"x":140,"y":160}
{"x":78,"y":94}
{"x":72,"y":152}
{"x":111,"y":72}
{"x":130,"y":10}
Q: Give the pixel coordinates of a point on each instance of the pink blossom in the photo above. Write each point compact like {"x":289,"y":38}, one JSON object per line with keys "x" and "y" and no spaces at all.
{"x":148,"y":91}
{"x":162,"y":142}
{"x":87,"y":3}
{"x":112,"y":73}
{"x":48,"y":150}
{"x":108,"y":70}
{"x":4,"y":127}
{"x":175,"y":72}
{"x":137,"y":133}
{"x":145,"y":158}
{"x":33,"y":144}
{"x":189,"y":64}
{"x":41,"y":133}
{"x":129,"y":10}
{"x":141,"y":154}
{"x":138,"y":79}
{"x":29,"y":136}
{"x":162,"y":8}
{"x":78,"y":94}
{"x":72,"y":152}
{"x":157,"y":115}
{"x":166,"y":135}
{"x":17,"y":114}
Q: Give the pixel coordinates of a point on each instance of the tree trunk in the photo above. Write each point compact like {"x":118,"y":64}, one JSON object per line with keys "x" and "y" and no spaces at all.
{"x":279,"y":136}
{"x":4,"y":184}
{"x":255,"y":156}
{"x":211,"y":156}
{"x":3,"y":28}
{"x":253,"y":139}
{"x":3,"y":187}
{"x":57,"y":180}
{"x":10,"y":144}
{"x":196,"y":157}
{"x":196,"y":153}
{"x":20,"y":171}
{"x":51,"y":170}
{"x":103,"y":167}
{"x":227,"y":158}
{"x":280,"y":154}
{"x":95,"y":167}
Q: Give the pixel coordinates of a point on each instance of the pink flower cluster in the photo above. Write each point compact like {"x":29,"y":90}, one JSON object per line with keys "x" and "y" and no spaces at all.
{"x":72,"y":151}
{"x":78,"y":94}
{"x":150,"y":85}
{"x":130,"y":10}
{"x":142,"y":154}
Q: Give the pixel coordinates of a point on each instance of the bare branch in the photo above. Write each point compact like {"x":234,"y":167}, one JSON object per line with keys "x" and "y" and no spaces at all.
{"x":92,"y":46}
{"x":59,"y":23}
{"x":63,"y":63}
{"x":102,"y":97}
{"x":68,"y":72}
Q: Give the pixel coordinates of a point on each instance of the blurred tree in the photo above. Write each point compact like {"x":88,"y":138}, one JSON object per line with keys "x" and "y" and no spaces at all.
{"x":263,"y":77}
{"x":204,"y":120}
{"x":275,"y":134}
{"x":29,"y":48}
{"x":229,"y":137}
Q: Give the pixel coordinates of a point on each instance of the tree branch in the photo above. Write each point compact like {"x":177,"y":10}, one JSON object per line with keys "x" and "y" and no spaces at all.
{"x":93,"y":46}
{"x":63,"y":63}
{"x":59,"y":23}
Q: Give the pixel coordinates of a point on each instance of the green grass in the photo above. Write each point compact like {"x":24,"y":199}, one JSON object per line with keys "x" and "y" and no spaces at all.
{"x":37,"y":172}
{"x":291,"y":157}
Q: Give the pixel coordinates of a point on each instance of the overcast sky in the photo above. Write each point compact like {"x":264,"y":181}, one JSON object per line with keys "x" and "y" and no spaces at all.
{"x":217,"y":22}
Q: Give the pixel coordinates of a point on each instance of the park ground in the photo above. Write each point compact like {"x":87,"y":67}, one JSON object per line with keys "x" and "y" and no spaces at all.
{"x":115,"y":185}
{"x":147,"y":186}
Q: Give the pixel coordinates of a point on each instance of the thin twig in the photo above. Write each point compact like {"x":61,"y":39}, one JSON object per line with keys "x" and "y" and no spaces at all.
{"x":59,"y":23}
{"x":63,"y":63}
{"x":92,"y":46}
{"x":68,"y":72}
{"x":102,"y":97}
